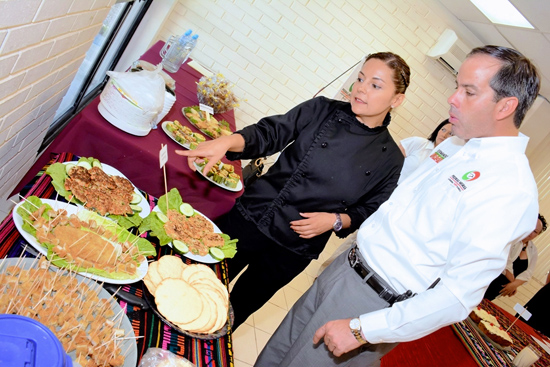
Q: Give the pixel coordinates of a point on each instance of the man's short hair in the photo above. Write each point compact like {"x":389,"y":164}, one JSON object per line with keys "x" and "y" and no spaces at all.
{"x":544,"y":224}
{"x":517,"y":77}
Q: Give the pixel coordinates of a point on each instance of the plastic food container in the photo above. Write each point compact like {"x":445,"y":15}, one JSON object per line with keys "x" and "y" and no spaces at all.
{"x":26,"y":342}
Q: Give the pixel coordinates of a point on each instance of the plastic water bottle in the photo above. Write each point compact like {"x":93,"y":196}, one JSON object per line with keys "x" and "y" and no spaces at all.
{"x":173,"y":53}
{"x":190,"y":46}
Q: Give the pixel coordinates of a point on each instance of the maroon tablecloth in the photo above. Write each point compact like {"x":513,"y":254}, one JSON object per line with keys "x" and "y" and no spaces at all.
{"x":89,"y":134}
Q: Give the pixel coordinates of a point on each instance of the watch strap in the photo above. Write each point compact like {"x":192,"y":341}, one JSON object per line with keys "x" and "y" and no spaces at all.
{"x":337,"y":223}
{"x":357,"y":334}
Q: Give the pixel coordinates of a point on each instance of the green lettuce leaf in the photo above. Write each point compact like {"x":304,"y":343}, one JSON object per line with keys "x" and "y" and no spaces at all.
{"x":174,"y":201}
{"x":155,"y":226}
{"x":25,"y":210}
{"x":229,"y":247}
{"x":127,"y":221}
{"x":58,"y":173}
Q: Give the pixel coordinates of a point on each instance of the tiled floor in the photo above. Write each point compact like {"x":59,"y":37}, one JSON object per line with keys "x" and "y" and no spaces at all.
{"x":250,"y":338}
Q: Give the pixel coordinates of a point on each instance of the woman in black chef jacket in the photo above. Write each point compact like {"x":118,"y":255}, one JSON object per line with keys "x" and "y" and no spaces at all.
{"x":338,"y":164}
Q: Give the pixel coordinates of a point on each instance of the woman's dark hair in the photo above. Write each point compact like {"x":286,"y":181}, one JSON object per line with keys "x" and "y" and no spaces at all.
{"x":401,"y":71}
{"x":517,"y":77}
{"x":433,"y":136}
{"x":544,"y":224}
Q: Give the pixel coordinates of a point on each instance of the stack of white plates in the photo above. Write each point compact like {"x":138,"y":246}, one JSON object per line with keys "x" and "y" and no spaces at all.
{"x":169,"y":101}
{"x":120,"y":110}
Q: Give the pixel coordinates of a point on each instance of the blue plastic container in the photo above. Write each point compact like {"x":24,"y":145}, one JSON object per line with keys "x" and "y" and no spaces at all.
{"x":26,"y":342}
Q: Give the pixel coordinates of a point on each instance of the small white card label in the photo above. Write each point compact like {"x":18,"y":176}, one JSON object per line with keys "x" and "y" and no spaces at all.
{"x":206,"y":108}
{"x":526,"y":315}
{"x":163,"y":155}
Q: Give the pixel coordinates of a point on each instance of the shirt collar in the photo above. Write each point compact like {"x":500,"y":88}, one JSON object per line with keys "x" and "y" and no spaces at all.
{"x":357,"y":124}
{"x":517,"y":144}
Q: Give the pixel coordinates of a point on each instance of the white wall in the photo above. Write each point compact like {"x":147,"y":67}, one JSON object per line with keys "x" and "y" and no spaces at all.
{"x":42,"y":44}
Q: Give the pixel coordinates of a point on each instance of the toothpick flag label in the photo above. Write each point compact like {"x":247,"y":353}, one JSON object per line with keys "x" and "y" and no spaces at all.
{"x":163,"y":155}
{"x":206,"y":108}
{"x":522,"y":311}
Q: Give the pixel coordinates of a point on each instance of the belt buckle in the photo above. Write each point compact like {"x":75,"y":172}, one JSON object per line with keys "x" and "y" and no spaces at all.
{"x":352,"y":257}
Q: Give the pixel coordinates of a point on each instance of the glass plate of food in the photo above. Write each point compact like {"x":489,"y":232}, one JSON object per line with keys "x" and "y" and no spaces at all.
{"x":92,"y":307}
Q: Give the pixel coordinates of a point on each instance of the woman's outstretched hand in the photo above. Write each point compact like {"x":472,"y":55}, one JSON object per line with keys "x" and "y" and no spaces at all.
{"x":213,"y":150}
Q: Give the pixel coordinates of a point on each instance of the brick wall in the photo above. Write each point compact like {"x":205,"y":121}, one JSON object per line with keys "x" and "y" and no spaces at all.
{"x":42,"y":44}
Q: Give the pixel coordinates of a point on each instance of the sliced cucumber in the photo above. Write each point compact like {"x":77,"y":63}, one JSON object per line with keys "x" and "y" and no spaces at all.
{"x":136,"y":198}
{"x":96,"y":163}
{"x":84,"y":164}
{"x":187,"y":209}
{"x":136,"y":208}
{"x":216,"y":253}
{"x":163,"y":218}
{"x":180,"y":246}
{"x":68,"y":167}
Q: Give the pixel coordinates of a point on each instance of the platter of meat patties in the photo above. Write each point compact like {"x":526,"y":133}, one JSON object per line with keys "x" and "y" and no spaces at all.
{"x":101,"y":188}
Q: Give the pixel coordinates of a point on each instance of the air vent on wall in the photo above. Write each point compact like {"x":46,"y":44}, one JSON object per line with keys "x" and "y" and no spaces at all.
{"x":449,"y":50}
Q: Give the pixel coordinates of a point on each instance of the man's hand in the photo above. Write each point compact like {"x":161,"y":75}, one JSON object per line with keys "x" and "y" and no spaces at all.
{"x":313,"y":225}
{"x":337,"y":336}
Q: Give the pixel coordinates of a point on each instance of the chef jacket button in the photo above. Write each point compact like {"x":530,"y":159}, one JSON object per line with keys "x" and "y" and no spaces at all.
{"x":367,"y":173}
{"x":344,"y":202}
{"x":384,"y":149}
{"x":283,"y":203}
{"x":340,"y":120}
{"x":324,"y":145}
{"x":303,"y":174}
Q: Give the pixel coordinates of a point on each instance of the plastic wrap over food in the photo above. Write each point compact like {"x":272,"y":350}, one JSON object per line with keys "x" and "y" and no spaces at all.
{"x":156,"y":357}
{"x":135,"y":98}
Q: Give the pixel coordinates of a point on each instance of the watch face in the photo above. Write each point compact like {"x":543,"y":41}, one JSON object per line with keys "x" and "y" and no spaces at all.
{"x":355,"y":324}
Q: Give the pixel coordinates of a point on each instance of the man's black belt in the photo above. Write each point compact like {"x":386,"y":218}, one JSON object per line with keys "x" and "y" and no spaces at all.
{"x":373,"y":280}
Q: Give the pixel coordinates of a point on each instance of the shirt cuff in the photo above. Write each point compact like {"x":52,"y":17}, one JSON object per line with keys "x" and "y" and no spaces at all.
{"x":372,"y":324}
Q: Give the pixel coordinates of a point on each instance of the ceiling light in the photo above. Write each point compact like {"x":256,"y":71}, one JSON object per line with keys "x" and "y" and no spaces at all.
{"x":502,"y":12}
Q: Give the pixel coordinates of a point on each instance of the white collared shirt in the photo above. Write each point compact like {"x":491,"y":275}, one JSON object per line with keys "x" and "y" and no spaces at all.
{"x":453,"y":218}
{"x":416,"y":150}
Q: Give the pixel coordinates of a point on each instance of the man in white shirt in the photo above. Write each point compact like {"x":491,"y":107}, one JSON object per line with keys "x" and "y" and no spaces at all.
{"x":425,"y":258}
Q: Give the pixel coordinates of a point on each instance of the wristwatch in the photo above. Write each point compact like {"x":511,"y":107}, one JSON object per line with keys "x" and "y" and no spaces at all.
{"x":338,"y":223}
{"x":355,"y":326}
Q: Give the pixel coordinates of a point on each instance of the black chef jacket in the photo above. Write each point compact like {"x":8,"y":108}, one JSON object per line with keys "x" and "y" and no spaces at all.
{"x":331,"y":163}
